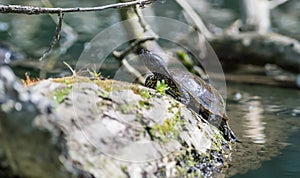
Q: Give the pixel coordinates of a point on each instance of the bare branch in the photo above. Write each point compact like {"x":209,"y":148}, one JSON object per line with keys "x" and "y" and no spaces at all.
{"x":275,"y":3}
{"x":195,"y":18}
{"x":133,"y":71}
{"x":38,"y":10}
{"x":122,"y":54}
{"x":67,"y":31}
{"x":141,"y":20}
{"x":56,"y":37}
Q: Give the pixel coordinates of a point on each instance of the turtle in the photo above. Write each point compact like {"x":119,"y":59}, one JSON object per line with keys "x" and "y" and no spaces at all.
{"x":190,"y":90}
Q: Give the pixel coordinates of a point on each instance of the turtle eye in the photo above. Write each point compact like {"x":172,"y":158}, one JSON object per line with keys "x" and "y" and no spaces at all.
{"x":143,"y":51}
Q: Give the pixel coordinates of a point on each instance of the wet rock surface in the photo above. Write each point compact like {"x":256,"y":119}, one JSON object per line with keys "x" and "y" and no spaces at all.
{"x":106,"y":128}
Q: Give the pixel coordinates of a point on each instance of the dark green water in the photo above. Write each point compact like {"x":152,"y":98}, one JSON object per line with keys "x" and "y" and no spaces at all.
{"x":286,"y":164}
{"x":267,"y":120}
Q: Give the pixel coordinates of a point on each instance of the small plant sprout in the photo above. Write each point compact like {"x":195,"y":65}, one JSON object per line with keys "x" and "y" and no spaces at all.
{"x":161,"y":87}
{"x":93,"y":73}
{"x":71,"y":69}
{"x":145,"y":94}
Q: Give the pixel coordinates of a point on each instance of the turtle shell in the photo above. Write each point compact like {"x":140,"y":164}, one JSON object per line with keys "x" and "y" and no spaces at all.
{"x":203,"y":97}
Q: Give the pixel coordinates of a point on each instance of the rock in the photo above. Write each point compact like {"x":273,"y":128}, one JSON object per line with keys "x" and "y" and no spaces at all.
{"x":25,"y":150}
{"x":107,"y":128}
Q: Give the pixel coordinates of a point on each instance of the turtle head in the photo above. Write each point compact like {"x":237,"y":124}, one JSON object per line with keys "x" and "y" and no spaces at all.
{"x":154,"y":62}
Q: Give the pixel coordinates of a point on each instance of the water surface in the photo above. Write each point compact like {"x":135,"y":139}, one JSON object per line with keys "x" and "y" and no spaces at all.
{"x":267,"y":121}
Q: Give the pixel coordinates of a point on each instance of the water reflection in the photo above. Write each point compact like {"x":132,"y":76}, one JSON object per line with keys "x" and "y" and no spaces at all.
{"x":263,"y":118}
{"x":253,"y":122}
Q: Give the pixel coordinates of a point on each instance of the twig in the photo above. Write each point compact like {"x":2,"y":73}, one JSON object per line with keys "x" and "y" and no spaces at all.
{"x":141,"y":20}
{"x":70,"y":34}
{"x":275,"y":3}
{"x":56,"y":37}
{"x":195,"y":18}
{"x":70,"y":68}
{"x":133,"y":71}
{"x":122,"y":54}
{"x":38,"y":10}
{"x":70,"y":37}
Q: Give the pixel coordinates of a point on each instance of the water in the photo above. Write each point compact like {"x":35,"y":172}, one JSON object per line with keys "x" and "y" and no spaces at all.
{"x":267,"y":121}
{"x":286,"y":164}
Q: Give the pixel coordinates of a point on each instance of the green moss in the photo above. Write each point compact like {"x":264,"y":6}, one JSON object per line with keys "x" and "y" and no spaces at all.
{"x":105,"y":84}
{"x":189,"y":162}
{"x":71,"y":80}
{"x":217,"y":140}
{"x":113,"y":85}
{"x":60,"y":94}
{"x":127,"y":108}
{"x":124,"y":169}
{"x":144,"y":103}
{"x":167,"y":129}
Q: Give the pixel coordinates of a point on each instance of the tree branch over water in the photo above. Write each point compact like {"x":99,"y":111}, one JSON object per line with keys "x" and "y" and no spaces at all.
{"x":54,"y":10}
{"x":33,"y":10}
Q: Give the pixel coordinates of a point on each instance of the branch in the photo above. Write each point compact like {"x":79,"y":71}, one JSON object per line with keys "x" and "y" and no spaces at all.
{"x":275,"y":3}
{"x":133,"y":71}
{"x":38,"y":10}
{"x":121,"y":57}
{"x":56,"y":37}
{"x":137,"y":43}
{"x":195,"y":18}
{"x":67,"y":31}
{"x":259,"y":49}
{"x":141,"y":20}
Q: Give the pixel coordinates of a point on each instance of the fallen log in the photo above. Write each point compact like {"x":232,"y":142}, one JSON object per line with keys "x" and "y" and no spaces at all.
{"x":254,"y":48}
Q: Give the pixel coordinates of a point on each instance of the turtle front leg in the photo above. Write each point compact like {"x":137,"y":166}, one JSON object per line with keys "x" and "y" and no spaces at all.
{"x":227,"y":132}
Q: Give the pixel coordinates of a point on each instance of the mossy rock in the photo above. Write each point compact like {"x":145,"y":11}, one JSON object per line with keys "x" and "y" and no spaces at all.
{"x":108,"y":128}
{"x":110,"y":125}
